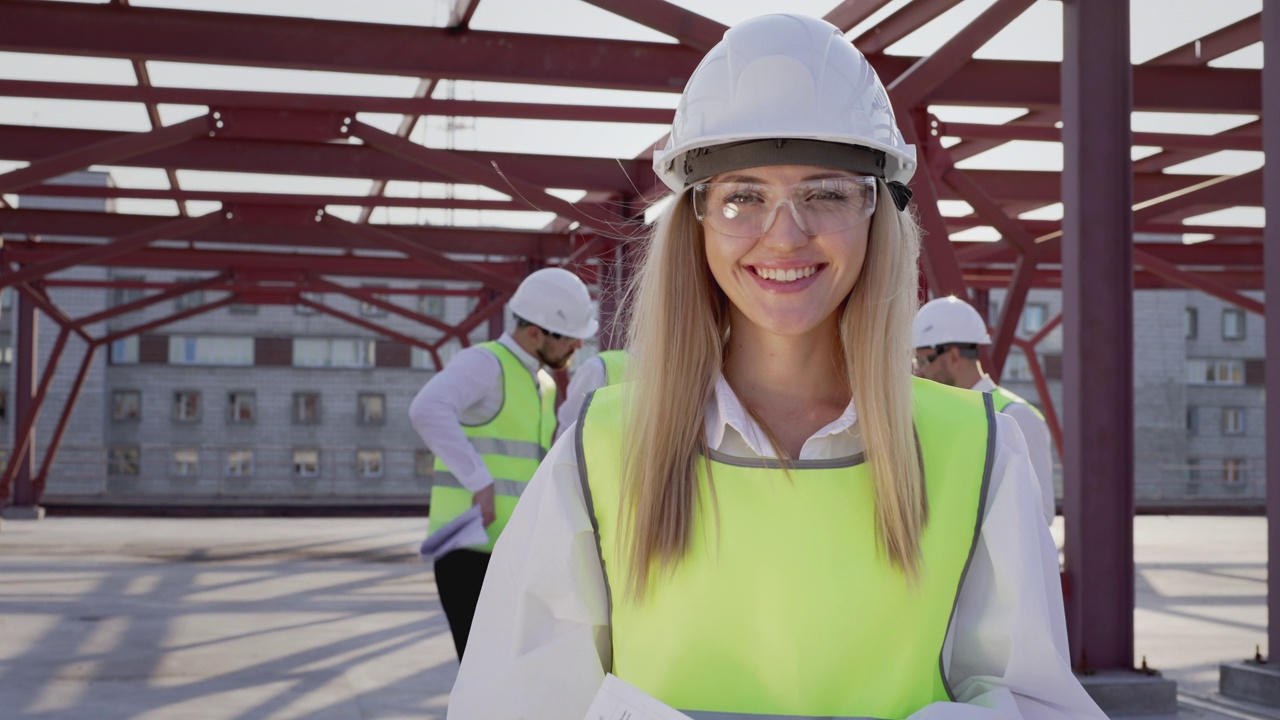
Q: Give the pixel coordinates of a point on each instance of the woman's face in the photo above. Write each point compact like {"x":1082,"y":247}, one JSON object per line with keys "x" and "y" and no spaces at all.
{"x":786,"y":279}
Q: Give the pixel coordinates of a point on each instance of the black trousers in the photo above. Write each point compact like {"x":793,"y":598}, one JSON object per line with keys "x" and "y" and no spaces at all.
{"x":459,"y":576}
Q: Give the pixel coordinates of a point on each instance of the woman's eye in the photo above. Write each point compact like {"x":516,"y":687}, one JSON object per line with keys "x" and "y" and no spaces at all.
{"x":820,"y":195}
{"x":742,"y":198}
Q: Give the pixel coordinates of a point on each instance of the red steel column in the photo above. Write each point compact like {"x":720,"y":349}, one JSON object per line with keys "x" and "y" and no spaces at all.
{"x":1271,"y":264}
{"x":1097,"y":289}
{"x":24,"y":397}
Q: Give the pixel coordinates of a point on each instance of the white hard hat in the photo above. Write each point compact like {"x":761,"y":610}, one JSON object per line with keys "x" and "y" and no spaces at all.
{"x":791,"y":78}
{"x":555,"y":299}
{"x":949,"y":321}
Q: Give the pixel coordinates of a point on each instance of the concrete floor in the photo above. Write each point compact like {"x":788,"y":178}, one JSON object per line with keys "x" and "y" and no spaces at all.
{"x":336,"y":619}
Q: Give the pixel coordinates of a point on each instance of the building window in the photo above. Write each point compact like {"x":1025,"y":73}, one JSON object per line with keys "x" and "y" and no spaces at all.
{"x":1232,"y":324}
{"x":369,"y":463}
{"x":1215,"y":372}
{"x":1016,"y":367}
{"x":6,"y":354}
{"x":210,"y":350}
{"x":1034,"y":316}
{"x":370,"y":309}
{"x":431,"y":306}
{"x":195,"y":298}
{"x":124,"y":351}
{"x":240,"y":463}
{"x":125,"y":295}
{"x":1193,"y":323}
{"x":122,"y":460}
{"x":424,"y":463}
{"x":6,"y":297}
{"x":306,"y":408}
{"x":243,"y":309}
{"x":317,"y":298}
{"x":1233,"y":470}
{"x":334,"y":352}
{"x":306,"y":463}
{"x":1232,"y":421}
{"x":186,"y":462}
{"x":370,"y":409}
{"x":421,"y":359}
{"x":1193,"y":469}
{"x":4,"y":405}
{"x":240,"y":406}
{"x":186,"y":406}
{"x":126,"y":405}
{"x":1193,"y":421}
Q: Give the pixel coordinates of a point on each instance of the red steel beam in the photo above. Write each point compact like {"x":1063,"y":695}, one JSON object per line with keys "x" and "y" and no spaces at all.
{"x":691,"y":29}
{"x":198,"y":259}
{"x":1097,"y":247}
{"x":1169,"y":158}
{"x":849,"y":13}
{"x":465,"y":170}
{"x":1229,"y":39}
{"x":1196,"y":281}
{"x":19,"y":142}
{"x":1011,"y":313}
{"x":177,"y":291}
{"x":337,"y":160}
{"x":266,"y":41}
{"x":461,"y":12}
{"x":1042,"y":389}
{"x":477,"y":241}
{"x":1225,"y":190}
{"x":1051,"y":279}
{"x":903,"y":22}
{"x":941,"y":268}
{"x":912,"y":86}
{"x":1234,"y":255}
{"x":166,"y":320}
{"x":408,"y":123}
{"x":104,"y":152}
{"x":1051,"y":133}
{"x":55,"y":441}
{"x":25,"y":431}
{"x":374,"y":327}
{"x":249,"y":198}
{"x":234,"y":39}
{"x":393,"y":241}
{"x":1009,"y":228}
{"x":233,"y":99}
{"x":322,"y":285}
{"x":120,"y":246}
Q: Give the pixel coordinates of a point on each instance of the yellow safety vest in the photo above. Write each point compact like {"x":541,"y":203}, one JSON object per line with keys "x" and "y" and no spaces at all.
{"x":511,"y":444}
{"x":615,"y":365}
{"x":1003,"y":399}
{"x":785,"y":606}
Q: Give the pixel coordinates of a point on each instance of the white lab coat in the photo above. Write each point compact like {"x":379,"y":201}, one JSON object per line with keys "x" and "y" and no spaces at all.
{"x":541,"y":626}
{"x":1036,"y":432}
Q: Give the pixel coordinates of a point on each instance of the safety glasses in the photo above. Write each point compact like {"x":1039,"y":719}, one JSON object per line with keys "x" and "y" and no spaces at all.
{"x":743,"y":209}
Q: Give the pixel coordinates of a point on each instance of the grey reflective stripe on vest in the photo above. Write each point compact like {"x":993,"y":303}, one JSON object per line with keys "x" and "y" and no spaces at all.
{"x":509,"y":448}
{"x":708,"y":715}
{"x":509,"y":488}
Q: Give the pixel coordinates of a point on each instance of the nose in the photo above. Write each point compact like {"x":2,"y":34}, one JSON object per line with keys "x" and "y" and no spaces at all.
{"x":782,"y":229}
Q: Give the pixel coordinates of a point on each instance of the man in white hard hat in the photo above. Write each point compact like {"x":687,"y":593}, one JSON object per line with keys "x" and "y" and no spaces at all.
{"x":947,"y":333}
{"x":489,"y":417}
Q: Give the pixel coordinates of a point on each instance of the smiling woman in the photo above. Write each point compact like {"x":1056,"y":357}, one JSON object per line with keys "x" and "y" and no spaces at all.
{"x":773,"y":519}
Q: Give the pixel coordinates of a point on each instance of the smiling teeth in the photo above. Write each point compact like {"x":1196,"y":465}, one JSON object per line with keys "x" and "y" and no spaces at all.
{"x":790,"y":275}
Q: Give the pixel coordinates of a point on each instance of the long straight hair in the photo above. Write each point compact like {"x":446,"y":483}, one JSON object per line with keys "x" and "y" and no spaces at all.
{"x":679,"y":322}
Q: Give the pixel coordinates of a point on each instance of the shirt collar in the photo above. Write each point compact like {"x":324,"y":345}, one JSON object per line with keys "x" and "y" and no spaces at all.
{"x":726,"y":412}
{"x":984,"y":384}
{"x":530,"y":362}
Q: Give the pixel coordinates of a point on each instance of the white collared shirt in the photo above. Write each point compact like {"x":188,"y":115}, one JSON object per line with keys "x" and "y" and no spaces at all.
{"x":467,"y":391}
{"x":1036,"y":432}
{"x":588,"y":376}
{"x":541,"y":626}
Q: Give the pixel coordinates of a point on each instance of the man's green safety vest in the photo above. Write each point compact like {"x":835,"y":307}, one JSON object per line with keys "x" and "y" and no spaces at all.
{"x":511,"y":444}
{"x":615,"y":365}
{"x":1003,"y":399}
{"x":784,"y":605}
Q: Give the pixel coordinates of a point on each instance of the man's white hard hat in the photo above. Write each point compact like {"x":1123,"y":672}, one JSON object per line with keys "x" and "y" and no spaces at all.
{"x":787,"y":77}
{"x":555,"y":299}
{"x":949,"y":321}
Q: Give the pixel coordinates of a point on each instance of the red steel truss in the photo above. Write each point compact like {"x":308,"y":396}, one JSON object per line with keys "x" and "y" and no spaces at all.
{"x":256,"y":243}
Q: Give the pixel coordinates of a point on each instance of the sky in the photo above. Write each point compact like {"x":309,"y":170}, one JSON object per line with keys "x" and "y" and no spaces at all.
{"x":1158,"y":25}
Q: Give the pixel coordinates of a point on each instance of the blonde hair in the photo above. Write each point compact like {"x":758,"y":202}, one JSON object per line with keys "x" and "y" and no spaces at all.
{"x":679,"y":320}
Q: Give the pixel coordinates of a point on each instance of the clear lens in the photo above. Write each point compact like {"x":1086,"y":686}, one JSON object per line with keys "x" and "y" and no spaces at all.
{"x":818,"y":206}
